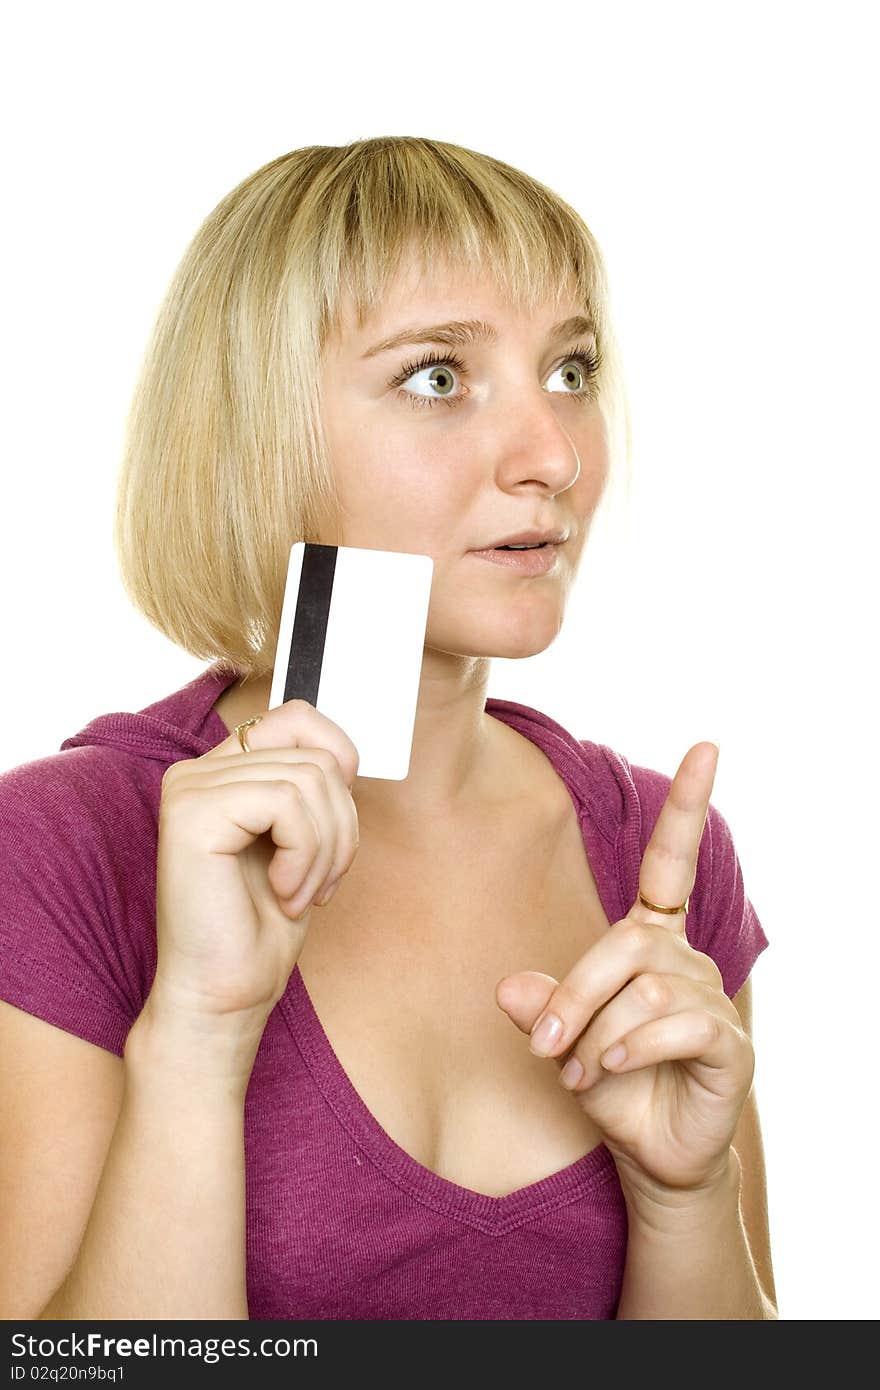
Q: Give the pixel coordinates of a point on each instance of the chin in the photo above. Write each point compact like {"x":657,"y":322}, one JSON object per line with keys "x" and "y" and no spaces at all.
{"x":513,"y":636}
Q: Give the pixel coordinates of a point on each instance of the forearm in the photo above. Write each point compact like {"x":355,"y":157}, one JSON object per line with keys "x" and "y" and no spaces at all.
{"x":166,"y":1234}
{"x":690,"y":1259}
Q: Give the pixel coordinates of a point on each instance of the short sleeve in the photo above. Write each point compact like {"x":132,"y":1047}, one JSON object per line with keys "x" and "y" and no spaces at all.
{"x":725,"y":923}
{"x":77,"y":885}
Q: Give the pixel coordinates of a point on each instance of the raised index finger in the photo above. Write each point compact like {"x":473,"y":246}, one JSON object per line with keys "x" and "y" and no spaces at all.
{"x":669,"y":864}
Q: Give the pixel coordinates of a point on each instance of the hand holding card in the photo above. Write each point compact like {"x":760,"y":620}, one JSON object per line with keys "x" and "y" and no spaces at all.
{"x":350,"y":642}
{"x":249,"y":840}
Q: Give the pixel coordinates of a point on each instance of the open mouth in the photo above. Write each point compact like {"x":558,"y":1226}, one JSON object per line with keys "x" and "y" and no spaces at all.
{"x":525,"y":560}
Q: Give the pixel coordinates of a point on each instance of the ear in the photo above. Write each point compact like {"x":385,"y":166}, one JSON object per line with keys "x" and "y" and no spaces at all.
{"x":524,"y":996}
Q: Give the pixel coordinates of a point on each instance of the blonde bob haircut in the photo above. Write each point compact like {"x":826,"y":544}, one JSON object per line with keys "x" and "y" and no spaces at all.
{"x":224,"y":461}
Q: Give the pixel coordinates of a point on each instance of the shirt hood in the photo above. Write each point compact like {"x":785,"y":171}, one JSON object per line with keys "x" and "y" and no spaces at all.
{"x":183,"y":724}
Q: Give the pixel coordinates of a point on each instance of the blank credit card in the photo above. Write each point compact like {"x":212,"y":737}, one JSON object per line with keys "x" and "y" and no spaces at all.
{"x":351,"y":641}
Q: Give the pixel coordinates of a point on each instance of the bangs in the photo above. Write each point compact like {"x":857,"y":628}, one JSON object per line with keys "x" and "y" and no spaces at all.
{"x":455,"y":210}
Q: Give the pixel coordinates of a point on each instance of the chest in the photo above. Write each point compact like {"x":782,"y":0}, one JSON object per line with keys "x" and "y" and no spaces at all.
{"x":401,"y":969}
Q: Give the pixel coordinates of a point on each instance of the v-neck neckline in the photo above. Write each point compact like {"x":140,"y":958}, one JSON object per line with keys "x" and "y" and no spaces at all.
{"x":492,"y":1215}
{"x":489,"y":1214}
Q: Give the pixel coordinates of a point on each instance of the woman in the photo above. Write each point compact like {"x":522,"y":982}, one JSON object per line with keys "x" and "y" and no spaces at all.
{"x":405,"y":345}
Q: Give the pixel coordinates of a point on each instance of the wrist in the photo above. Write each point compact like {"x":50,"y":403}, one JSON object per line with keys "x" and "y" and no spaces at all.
{"x":193,"y":1052}
{"x":666,"y":1210}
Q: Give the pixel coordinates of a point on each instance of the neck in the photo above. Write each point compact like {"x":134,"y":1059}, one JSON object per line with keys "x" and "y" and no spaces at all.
{"x":455,"y":743}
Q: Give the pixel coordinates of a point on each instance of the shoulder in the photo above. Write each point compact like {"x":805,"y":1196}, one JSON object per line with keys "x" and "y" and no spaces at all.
{"x":86,"y":775}
{"x":80,"y":806}
{"x":77,"y":883}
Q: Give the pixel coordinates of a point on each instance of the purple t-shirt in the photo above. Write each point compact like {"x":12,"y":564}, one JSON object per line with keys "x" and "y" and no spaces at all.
{"x":341,"y":1221}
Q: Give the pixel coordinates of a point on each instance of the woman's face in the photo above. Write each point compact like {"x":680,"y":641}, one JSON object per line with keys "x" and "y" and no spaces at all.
{"x":454,"y":459}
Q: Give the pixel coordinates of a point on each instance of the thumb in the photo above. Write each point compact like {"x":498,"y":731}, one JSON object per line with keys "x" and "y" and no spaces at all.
{"x":524,"y":996}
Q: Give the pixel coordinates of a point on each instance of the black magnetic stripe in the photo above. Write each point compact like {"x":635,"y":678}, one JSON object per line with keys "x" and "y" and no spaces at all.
{"x":310,"y":623}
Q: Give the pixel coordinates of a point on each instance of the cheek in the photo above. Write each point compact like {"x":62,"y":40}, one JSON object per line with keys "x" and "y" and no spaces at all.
{"x":405,"y":498}
{"x":599,"y":445}
{"x":594,"y":453}
{"x":591,"y":484}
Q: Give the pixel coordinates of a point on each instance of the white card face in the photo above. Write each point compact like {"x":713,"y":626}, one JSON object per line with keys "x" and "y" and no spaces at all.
{"x":350,"y":642}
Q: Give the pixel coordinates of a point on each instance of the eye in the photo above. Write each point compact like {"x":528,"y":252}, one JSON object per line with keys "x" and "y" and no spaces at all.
{"x":589,"y":360}
{"x":440,"y":377}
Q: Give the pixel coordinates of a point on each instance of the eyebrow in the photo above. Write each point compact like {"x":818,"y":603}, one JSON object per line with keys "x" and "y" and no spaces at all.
{"x":461,"y":332}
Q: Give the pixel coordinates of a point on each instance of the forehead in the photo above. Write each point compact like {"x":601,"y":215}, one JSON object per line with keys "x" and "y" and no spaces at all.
{"x":446,"y":289}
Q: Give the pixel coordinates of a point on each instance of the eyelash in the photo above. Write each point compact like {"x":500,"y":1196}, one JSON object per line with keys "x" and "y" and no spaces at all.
{"x":589,"y":358}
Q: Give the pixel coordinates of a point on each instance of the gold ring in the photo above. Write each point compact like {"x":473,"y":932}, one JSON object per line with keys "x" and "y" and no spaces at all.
{"x":655,"y":907}
{"x":240,"y":729}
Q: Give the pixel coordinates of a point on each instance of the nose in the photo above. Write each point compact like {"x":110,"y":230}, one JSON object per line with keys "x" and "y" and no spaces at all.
{"x":536,"y":448}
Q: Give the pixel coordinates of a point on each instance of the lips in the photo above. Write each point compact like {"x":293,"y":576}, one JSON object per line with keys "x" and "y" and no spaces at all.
{"x":541,"y":559}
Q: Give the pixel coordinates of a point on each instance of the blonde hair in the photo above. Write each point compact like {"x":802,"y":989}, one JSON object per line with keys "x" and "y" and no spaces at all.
{"x":224,"y":463}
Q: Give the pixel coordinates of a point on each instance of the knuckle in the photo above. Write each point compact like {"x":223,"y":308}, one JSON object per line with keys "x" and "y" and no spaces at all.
{"x":708,"y":1027}
{"x":712,"y":973}
{"x":653,"y":990}
{"x":567,"y":999}
{"x":635,"y":938}
{"x":172,"y":772}
{"x":322,"y":758}
{"x":288,"y":790}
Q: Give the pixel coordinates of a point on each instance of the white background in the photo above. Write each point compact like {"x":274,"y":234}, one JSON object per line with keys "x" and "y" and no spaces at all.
{"x":725,"y":157}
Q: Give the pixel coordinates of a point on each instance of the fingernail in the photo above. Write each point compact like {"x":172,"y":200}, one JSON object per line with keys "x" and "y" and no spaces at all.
{"x":546,"y":1032}
{"x":320,"y":902}
{"x":571,"y":1073}
{"x":614,"y":1056}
